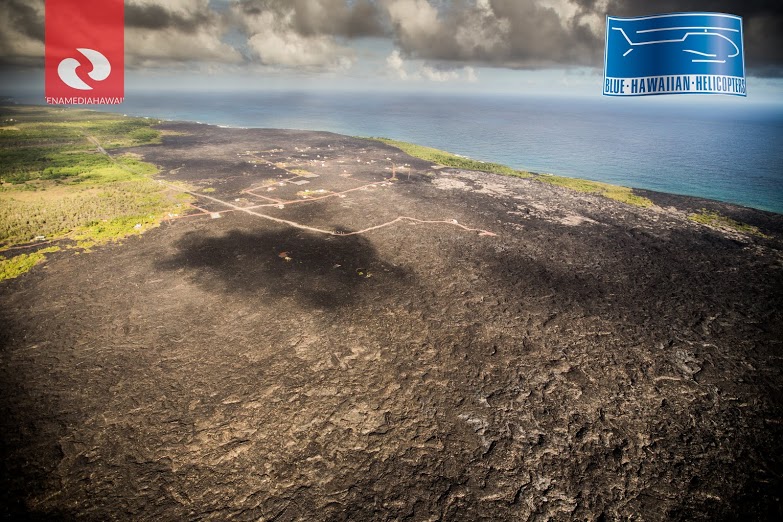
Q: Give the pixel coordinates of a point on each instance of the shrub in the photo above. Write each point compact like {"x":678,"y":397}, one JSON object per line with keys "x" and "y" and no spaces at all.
{"x":18,"y":265}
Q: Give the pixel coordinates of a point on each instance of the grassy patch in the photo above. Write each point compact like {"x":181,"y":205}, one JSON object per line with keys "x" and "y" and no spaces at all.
{"x":48,"y":126}
{"x":53,"y":144}
{"x":55,"y":183}
{"x":623,"y":194}
{"x":59,"y":211}
{"x":108,"y":230}
{"x":18,"y":265}
{"x":616,"y":192}
{"x":447,"y":159}
{"x":173,"y":133}
{"x":717,"y":220}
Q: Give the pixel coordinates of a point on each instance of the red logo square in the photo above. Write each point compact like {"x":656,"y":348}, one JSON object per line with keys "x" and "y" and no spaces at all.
{"x":85,"y":52}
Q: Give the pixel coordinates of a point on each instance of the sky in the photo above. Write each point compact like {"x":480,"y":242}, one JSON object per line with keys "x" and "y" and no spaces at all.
{"x":535,"y":47}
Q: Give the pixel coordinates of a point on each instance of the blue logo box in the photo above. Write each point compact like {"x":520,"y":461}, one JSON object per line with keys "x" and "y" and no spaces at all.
{"x":677,"y":53}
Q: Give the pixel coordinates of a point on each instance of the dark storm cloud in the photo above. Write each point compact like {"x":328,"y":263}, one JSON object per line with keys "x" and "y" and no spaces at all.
{"x":157,"y":17}
{"x":25,"y":17}
{"x":306,"y":33}
{"x":508,"y":33}
{"x":350,"y":19}
{"x":540,"y":33}
{"x":21,"y":32}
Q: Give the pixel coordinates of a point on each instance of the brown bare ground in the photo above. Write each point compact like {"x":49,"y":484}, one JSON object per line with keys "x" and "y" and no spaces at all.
{"x":487,"y":349}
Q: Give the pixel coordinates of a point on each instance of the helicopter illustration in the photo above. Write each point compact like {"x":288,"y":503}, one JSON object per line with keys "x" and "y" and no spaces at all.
{"x":703,"y":43}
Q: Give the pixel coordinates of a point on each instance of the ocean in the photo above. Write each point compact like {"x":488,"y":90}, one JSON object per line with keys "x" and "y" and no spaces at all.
{"x":726,"y":149}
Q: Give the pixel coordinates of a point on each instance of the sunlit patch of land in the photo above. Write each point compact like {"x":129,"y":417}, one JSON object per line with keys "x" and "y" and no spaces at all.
{"x":57,"y":180}
{"x":717,"y":220}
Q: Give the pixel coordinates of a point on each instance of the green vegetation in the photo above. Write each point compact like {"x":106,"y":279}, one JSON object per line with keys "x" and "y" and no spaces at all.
{"x":448,"y":159}
{"x":717,"y":220}
{"x":18,"y":265}
{"x":616,"y":192}
{"x":56,"y":183}
{"x":104,"y":231}
{"x":622,"y":194}
{"x":41,"y":143}
{"x":61,"y":210}
{"x":24,"y":125}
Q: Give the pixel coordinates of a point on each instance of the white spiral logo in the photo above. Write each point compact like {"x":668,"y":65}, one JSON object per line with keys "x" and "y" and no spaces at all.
{"x":101,"y":68}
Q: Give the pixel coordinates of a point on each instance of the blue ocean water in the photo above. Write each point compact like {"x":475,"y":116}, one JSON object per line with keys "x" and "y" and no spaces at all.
{"x":726,"y":151}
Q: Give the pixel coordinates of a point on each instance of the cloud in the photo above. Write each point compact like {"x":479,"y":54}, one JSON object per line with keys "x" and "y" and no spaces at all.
{"x":280,"y":35}
{"x":306,"y":33}
{"x":397,"y":67}
{"x":318,"y":34}
{"x":156,"y":34}
{"x":175,"y":32}
{"x":416,"y":22}
{"x":21,"y":32}
{"x":508,"y":33}
{"x":174,"y":15}
{"x":274,"y":43}
{"x":435,"y":75}
{"x":338,"y":18}
{"x":144,"y":48}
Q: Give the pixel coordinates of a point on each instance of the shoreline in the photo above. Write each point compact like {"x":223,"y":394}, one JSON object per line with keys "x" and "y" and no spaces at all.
{"x":737,"y":215}
{"x":749,"y":198}
{"x":538,"y":173}
{"x":706,"y":201}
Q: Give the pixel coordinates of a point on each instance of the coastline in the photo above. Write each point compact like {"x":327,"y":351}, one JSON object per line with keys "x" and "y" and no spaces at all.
{"x":717,"y":214}
{"x":664,"y":148}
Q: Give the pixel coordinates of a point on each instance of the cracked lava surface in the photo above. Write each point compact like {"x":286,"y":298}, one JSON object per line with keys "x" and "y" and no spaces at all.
{"x":318,"y":341}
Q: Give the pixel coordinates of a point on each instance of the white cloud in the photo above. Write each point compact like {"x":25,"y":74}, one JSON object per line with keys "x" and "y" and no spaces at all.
{"x":273,"y":38}
{"x":483,"y":32}
{"x":397,"y":66}
{"x":415,"y":19}
{"x":145,"y":47}
{"x":175,"y":32}
{"x":435,"y":75}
